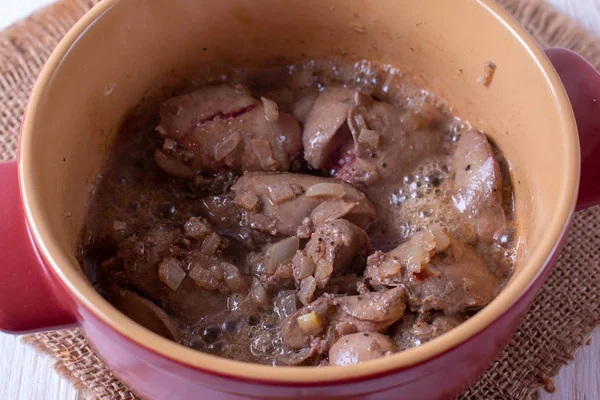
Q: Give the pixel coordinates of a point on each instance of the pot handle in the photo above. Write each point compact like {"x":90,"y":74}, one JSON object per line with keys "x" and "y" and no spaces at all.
{"x":582,"y":83}
{"x":29,"y":301}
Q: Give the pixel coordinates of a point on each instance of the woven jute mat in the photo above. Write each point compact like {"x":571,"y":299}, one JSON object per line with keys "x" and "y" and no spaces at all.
{"x":562,"y":319}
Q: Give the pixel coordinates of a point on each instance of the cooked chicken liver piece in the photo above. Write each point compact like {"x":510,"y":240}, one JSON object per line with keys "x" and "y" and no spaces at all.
{"x":325,"y":129}
{"x":222,"y":128}
{"x":478,"y":187}
{"x":453,"y":280}
{"x":361,"y":347}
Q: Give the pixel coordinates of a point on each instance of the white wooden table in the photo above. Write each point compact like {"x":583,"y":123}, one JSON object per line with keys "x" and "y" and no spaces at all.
{"x":27,"y":375}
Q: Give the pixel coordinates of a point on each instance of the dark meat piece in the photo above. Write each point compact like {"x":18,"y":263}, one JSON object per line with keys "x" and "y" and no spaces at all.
{"x":413,"y":331}
{"x":370,"y":312}
{"x":360,"y":347}
{"x":210,"y":274}
{"x":478,"y":185}
{"x":144,"y":312}
{"x":221,"y":128}
{"x":323,"y":132}
{"x":285,"y":200}
{"x":438,"y":276}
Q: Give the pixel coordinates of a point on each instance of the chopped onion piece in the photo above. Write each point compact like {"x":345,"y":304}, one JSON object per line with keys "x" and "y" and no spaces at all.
{"x":303,"y":267}
{"x":369,"y":139}
{"x":271,"y":109}
{"x":330,"y":210}
{"x":119,"y":225}
{"x":311,"y":323}
{"x":204,"y":278}
{"x":170,"y":273}
{"x":259,"y":295}
{"x":227,"y":146}
{"x":333,"y":190}
{"x":211,"y":244}
{"x":280,"y":253}
{"x":197,"y":228}
{"x":286,"y":304}
{"x":247,"y":200}
{"x":217,"y":271}
{"x":323,"y":272}
{"x":262,"y":149}
{"x":307,"y":290}
{"x":442,"y":241}
{"x":233,"y":278}
{"x":417,"y":251}
{"x":170,"y":144}
{"x":280,"y":192}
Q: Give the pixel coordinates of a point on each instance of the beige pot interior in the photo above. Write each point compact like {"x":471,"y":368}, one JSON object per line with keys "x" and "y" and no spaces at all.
{"x":93,"y":81}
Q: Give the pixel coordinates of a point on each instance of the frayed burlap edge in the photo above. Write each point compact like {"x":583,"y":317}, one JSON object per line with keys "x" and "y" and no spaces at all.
{"x":550,"y":28}
{"x":561,"y":320}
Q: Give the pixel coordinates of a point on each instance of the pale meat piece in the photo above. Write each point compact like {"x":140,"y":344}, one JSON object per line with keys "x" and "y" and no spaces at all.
{"x":324,"y":130}
{"x":453,"y":280}
{"x":285,"y":200}
{"x":478,"y":187}
{"x":360,"y":347}
{"x":223,"y":128}
{"x":370,"y":312}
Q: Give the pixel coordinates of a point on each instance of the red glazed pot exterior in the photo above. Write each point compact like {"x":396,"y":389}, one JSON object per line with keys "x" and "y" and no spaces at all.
{"x":39,"y":297}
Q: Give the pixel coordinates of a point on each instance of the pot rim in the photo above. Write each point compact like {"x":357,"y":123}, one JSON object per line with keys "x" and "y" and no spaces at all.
{"x":86,"y":295}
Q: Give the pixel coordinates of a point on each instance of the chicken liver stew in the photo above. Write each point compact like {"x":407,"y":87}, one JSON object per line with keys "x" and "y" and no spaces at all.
{"x":316,"y":213}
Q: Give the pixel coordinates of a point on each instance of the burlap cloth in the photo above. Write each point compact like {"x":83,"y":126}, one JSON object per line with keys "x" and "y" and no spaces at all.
{"x":563,"y":316}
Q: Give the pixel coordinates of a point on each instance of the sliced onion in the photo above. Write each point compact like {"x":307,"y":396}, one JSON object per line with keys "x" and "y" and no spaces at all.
{"x":303,"y":267}
{"x":280,"y":192}
{"x":280,"y":253}
{"x":262,"y":149}
{"x":227,"y":146}
{"x":271,"y":109}
{"x":204,"y":278}
{"x":442,"y":241}
{"x":247,"y":200}
{"x":311,"y":323}
{"x":170,"y":144}
{"x":307,"y":290}
{"x":197,"y":228}
{"x":233,"y":278}
{"x":172,"y":165}
{"x":326,"y":189}
{"x":259,"y":295}
{"x":217,"y":271}
{"x":417,"y":251}
{"x":170,"y":273}
{"x":323,"y":272}
{"x":369,"y":139}
{"x":211,"y":244}
{"x":457,"y":250}
{"x":119,"y":225}
{"x":286,"y":304}
{"x":330,"y":210}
